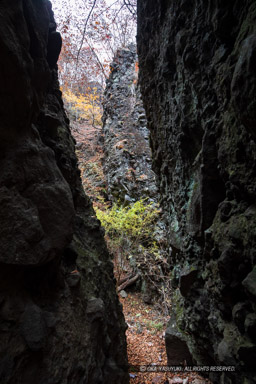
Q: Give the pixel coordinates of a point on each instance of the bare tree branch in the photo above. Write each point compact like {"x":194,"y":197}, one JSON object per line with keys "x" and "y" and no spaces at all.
{"x":83,"y":36}
{"x":97,"y":57}
{"x":106,"y":9}
{"x":130,"y":7}
{"x":118,"y":11}
{"x":128,"y":283}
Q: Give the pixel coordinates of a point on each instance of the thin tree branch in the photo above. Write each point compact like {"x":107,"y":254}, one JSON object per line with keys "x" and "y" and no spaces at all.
{"x":83,"y":36}
{"x":128,"y":283}
{"x":129,"y":6}
{"x":106,"y":9}
{"x":117,"y":12}
{"x":124,"y":279}
{"x":97,"y":57}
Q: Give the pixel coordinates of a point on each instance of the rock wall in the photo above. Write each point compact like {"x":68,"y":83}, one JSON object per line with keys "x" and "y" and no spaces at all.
{"x":60,"y":319}
{"x":197,"y":76}
{"x":127,"y":155}
{"x":128,"y":163}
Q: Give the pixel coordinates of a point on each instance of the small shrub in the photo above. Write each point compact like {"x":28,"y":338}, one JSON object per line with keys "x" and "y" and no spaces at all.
{"x":130,"y":232}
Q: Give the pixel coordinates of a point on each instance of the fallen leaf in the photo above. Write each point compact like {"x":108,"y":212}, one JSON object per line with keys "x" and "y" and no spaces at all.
{"x":176,"y":380}
{"x":157,"y":380}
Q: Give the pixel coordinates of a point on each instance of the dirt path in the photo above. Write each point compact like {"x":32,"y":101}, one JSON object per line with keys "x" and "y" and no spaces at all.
{"x":146,"y":346}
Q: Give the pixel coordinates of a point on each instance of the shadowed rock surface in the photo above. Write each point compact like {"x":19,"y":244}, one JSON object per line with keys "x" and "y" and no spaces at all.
{"x":60,"y":319}
{"x":198,"y":81}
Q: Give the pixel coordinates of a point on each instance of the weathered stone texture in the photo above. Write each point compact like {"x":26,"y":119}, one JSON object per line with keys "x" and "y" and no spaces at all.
{"x":127,"y":154}
{"x":128,"y":160}
{"x":60,"y":319}
{"x":198,"y":80}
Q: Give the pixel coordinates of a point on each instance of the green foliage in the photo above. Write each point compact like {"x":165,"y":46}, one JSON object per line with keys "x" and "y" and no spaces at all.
{"x":130,"y":232}
{"x":131,"y":235}
{"x":134,"y":222}
{"x":154,"y":325}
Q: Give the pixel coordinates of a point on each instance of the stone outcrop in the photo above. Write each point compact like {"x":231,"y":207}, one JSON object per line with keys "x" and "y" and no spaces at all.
{"x":127,"y":154}
{"x":128,"y":161}
{"x":60,"y":319}
{"x":198,"y":81}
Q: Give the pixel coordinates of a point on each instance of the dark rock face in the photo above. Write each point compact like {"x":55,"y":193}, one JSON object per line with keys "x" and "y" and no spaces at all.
{"x":127,"y":165}
{"x":60,"y":319}
{"x":176,"y":346}
{"x":198,"y":81}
